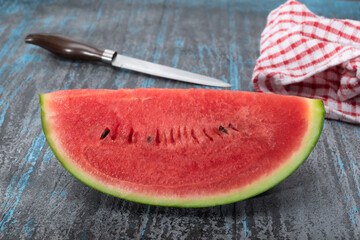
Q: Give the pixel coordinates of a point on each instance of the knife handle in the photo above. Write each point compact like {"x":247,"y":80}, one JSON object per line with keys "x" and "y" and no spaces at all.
{"x":69,"y":48}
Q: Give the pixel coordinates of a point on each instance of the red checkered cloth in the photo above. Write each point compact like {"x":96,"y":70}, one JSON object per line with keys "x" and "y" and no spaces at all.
{"x":306,"y":55}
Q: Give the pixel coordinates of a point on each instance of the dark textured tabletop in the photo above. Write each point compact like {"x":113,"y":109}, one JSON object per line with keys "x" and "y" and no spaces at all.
{"x":39,"y":199}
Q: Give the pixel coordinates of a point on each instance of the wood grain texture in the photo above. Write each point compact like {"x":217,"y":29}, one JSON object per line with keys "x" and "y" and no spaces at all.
{"x":39,"y":199}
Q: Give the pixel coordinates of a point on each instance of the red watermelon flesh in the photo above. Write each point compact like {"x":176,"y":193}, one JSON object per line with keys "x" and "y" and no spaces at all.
{"x":188,"y":148}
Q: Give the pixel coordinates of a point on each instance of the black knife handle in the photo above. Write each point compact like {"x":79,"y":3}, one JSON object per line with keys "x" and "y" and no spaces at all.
{"x":69,"y":48}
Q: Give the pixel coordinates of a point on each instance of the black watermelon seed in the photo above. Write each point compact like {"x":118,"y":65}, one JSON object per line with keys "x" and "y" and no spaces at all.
{"x":149,"y":139}
{"x":221,"y":128}
{"x":105,"y":133}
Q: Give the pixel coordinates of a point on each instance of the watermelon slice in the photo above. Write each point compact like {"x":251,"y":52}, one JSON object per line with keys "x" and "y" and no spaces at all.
{"x":185,"y":148}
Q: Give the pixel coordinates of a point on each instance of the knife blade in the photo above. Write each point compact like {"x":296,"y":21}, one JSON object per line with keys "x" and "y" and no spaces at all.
{"x":73,"y":49}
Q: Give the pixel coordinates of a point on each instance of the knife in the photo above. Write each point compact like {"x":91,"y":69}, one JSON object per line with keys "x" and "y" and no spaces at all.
{"x":72,"y":49}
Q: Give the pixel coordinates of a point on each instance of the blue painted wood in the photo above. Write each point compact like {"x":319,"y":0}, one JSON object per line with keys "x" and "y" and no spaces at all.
{"x":41,"y":200}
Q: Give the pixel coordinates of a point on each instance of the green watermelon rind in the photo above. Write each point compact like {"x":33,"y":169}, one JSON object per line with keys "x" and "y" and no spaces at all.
{"x":316,"y":120}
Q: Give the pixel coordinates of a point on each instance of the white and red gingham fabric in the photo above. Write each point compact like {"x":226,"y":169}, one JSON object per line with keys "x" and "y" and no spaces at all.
{"x":306,"y":55}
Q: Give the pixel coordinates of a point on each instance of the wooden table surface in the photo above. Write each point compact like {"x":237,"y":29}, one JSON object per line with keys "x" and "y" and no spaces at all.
{"x":39,"y":199}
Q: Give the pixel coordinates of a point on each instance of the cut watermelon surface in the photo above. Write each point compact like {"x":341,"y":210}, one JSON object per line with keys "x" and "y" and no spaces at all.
{"x":185,"y":148}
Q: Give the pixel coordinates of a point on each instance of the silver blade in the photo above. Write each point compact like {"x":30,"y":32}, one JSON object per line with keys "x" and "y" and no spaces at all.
{"x":164,"y":71}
